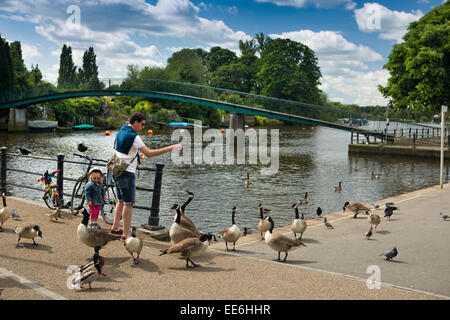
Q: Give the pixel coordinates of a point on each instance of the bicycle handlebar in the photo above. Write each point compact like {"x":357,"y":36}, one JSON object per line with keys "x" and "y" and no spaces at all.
{"x":44,"y":176}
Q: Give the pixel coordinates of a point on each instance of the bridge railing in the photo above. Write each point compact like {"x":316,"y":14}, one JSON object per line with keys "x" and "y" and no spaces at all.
{"x":324,"y":113}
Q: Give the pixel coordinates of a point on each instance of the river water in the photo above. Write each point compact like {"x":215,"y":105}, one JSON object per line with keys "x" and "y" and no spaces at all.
{"x":312,"y":161}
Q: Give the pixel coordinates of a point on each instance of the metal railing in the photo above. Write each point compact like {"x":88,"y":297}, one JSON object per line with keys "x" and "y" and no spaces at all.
{"x":153,"y":218}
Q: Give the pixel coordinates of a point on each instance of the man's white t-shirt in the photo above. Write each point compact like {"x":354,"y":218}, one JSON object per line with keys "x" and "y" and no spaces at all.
{"x":131,"y":156}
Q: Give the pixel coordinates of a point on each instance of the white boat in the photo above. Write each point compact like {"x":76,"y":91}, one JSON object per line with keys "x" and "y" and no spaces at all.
{"x":42,"y":125}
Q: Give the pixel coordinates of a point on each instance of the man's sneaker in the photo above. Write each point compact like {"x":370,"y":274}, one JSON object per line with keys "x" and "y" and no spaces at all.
{"x":116,"y":232}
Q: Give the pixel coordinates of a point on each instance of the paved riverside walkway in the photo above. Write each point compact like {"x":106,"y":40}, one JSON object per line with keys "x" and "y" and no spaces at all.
{"x":333,"y":266}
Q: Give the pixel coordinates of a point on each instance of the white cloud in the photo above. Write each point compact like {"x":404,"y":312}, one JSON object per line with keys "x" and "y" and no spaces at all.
{"x":325,"y":4}
{"x":344,"y":66}
{"x":390,"y":24}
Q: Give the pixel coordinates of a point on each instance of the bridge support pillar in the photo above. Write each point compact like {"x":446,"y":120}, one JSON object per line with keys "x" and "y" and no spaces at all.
{"x":237,"y":121}
{"x":18,"y":120}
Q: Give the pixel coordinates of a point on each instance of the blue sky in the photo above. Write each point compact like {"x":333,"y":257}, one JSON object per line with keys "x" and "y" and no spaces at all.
{"x":352,"y":39}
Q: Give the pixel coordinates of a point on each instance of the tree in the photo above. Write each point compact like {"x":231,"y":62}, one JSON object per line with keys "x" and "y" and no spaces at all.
{"x":35,"y":76}
{"x":419,"y":67}
{"x":218,"y":56}
{"x":19,"y":68}
{"x":289,"y":70}
{"x":6,"y":67}
{"x":186,"y":66}
{"x":67,"y":69}
{"x":89,"y":73}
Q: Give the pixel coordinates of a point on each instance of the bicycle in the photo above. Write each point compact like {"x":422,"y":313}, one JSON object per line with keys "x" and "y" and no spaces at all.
{"x":51,"y":195}
{"x":79,"y":197}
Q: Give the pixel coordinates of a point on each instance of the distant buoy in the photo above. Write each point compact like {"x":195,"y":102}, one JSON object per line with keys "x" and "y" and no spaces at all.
{"x":107,"y":133}
{"x":150,"y":132}
{"x":303,"y":129}
{"x":312,"y":128}
{"x":222,"y":130}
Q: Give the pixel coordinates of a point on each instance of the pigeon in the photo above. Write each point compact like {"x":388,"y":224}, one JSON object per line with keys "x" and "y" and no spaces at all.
{"x":319,"y":211}
{"x":24,"y":151}
{"x":388,"y":212}
{"x":82,"y":147}
{"x":327,"y":224}
{"x":444,"y":216}
{"x":14,"y":214}
{"x":392,"y":207}
{"x":376,"y":206}
{"x":389,"y":204}
{"x":390,"y":254}
{"x":369,"y":233}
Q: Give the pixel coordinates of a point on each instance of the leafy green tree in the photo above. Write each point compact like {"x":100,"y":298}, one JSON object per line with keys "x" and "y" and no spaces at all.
{"x":218,"y":56}
{"x":67,"y":69}
{"x":186,"y":66}
{"x":89,"y":73}
{"x":20,"y":70}
{"x":419,"y":67}
{"x":6,"y":67}
{"x":35,"y":76}
{"x":289,"y":70}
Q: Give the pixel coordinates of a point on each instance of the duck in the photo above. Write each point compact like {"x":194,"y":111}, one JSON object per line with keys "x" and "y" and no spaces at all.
{"x":279,"y":242}
{"x":374,"y":220}
{"x":356,"y":208}
{"x":90,"y":236}
{"x":190,"y":247}
{"x":185,"y":222}
{"x":90,"y":275}
{"x":176,"y":231}
{"x":54,"y":214}
{"x":298,"y":225}
{"x":231,"y":234}
{"x":247,"y":181}
{"x":375,"y":175}
{"x":90,"y":265}
{"x":5,"y":213}
{"x":339,"y":187}
{"x":263,"y":224}
{"x":303,"y":200}
{"x":133,"y":245}
{"x":28,"y":231}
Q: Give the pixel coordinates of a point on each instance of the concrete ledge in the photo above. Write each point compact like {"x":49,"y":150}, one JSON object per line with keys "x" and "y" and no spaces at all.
{"x":393,"y":150}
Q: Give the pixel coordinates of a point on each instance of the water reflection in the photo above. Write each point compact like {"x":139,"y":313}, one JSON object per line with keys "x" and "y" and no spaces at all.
{"x":312,"y":161}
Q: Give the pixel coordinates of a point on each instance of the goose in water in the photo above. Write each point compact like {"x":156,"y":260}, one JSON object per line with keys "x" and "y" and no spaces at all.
{"x":339,"y":187}
{"x":231,"y":234}
{"x":247,"y":181}
{"x":279,"y":242}
{"x":298,"y":225}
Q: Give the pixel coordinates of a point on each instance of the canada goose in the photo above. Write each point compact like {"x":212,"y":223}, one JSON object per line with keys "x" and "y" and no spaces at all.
{"x":28,"y":231}
{"x":5,"y":213}
{"x":54,"y":214}
{"x":133,"y":245}
{"x":279,"y":242}
{"x":90,"y":275}
{"x":185,"y":222}
{"x":177,"y":232}
{"x":231,"y":234}
{"x":375,"y":175}
{"x":190,"y":247}
{"x":374,"y":220}
{"x":304,"y":200}
{"x":327,"y":224}
{"x":90,"y":236}
{"x":247,"y":181}
{"x":298,"y":225}
{"x":263,"y":224}
{"x":356,"y":208}
{"x":339,"y":187}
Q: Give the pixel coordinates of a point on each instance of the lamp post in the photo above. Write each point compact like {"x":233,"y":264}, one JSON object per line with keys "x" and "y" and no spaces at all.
{"x":387,"y":122}
{"x":443,"y":111}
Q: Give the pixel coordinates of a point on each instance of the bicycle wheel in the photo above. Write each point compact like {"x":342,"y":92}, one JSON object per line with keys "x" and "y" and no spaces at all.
{"x":78,"y":196}
{"x":51,"y":200}
{"x":109,"y":207}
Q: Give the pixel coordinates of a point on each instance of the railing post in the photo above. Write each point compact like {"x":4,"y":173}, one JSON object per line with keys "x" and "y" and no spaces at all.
{"x":60,"y":179}
{"x":414,"y":140}
{"x":351,"y":141}
{"x":357,"y":137}
{"x":3,"y":171}
{"x":153,"y":219}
